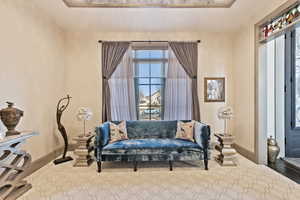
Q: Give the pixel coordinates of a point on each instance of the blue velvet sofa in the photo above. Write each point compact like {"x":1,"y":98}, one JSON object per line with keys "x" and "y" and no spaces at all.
{"x":152,"y":141}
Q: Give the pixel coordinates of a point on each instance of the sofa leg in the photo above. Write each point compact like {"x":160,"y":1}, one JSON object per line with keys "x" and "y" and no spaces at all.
{"x":206,"y":159}
{"x":206,"y":164}
{"x":171,"y":165}
{"x":99,"y":167}
{"x":135,"y":166}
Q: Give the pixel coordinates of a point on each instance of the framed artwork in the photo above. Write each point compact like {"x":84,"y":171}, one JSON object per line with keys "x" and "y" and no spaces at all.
{"x":214,"y":89}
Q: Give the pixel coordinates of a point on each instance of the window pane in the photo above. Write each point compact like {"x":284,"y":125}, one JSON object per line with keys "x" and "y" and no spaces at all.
{"x":156,"y":113}
{"x":144,"y":113}
{"x":143,"y":69}
{"x":150,"y":54}
{"x":156,"y":95}
{"x":143,"y":81}
{"x":157,"y":80}
{"x":157,"y":70}
{"x":142,"y":54}
{"x":166,"y":55}
{"x":156,"y":54}
{"x":144,"y":99}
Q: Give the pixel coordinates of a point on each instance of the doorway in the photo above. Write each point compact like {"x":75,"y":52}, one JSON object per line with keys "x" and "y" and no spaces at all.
{"x":280,"y":92}
{"x":280,"y":100}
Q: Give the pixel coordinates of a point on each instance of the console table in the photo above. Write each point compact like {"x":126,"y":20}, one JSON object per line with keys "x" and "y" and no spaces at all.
{"x":13,"y":163}
{"x":228,"y":155}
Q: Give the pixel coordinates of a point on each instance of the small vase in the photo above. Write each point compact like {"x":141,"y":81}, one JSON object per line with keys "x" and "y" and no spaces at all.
{"x":10,"y":117}
{"x":273,"y":150}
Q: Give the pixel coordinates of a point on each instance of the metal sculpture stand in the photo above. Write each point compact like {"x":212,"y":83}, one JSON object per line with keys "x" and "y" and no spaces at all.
{"x":59,"y":111}
{"x":14,"y":163}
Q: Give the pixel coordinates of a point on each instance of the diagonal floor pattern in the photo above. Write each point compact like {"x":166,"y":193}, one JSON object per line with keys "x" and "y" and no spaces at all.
{"x":154,"y":181}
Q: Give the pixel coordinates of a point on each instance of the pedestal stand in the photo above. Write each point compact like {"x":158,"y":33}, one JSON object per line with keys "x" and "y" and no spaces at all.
{"x":82,"y":151}
{"x":228,"y":155}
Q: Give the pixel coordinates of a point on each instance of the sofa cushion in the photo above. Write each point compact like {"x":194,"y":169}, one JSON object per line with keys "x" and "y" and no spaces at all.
{"x":118,"y":132}
{"x":151,"y":144}
{"x":185,"y":130}
{"x":151,"y":129}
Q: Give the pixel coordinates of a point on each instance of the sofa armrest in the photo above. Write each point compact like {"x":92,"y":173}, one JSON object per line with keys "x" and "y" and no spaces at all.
{"x":101,"y":139}
{"x":102,"y":135}
{"x":202,"y":135}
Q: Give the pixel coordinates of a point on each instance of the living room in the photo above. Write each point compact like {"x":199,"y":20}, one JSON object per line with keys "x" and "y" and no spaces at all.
{"x":53,"y":50}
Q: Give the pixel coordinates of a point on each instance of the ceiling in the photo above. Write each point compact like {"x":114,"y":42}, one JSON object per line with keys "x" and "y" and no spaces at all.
{"x":153,"y":19}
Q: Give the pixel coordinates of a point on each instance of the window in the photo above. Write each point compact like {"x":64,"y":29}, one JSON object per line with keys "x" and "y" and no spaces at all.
{"x":150,"y":70}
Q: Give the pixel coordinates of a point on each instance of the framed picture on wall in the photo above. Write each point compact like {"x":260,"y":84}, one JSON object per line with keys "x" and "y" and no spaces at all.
{"x":214,"y":89}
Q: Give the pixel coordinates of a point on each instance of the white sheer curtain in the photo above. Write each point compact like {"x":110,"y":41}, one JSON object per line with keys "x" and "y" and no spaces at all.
{"x":122,"y":90}
{"x":279,"y":93}
{"x":178,"y":91}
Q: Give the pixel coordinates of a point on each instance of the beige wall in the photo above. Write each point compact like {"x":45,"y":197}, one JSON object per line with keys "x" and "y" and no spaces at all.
{"x":35,"y":52}
{"x":244,"y":78}
{"x":83,"y":72}
{"x":31,"y":70}
{"x":40,"y":63}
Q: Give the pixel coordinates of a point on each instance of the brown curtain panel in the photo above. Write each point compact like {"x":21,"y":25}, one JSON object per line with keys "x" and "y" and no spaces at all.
{"x":187,"y":55}
{"x":112,"y":54}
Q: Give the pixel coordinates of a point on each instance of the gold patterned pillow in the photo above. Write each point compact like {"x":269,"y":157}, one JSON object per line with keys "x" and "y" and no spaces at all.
{"x":118,"y":132}
{"x":185,"y":131}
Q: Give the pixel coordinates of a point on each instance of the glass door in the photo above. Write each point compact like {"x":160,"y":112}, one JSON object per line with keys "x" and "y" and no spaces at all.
{"x":293,"y":93}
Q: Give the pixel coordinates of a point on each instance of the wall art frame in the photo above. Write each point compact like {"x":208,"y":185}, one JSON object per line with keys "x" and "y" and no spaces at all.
{"x":214,"y":89}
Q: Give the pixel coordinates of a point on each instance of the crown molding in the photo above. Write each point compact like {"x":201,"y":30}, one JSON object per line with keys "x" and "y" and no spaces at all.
{"x":144,"y":4}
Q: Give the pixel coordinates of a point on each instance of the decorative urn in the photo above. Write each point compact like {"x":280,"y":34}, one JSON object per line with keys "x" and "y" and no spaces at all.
{"x":10,"y":117}
{"x":273,"y":150}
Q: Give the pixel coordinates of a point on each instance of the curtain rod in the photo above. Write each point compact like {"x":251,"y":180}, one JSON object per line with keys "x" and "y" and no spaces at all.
{"x":100,"y":41}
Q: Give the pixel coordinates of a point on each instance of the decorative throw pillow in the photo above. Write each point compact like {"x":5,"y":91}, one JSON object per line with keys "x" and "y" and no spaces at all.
{"x":118,"y":132}
{"x":185,"y":131}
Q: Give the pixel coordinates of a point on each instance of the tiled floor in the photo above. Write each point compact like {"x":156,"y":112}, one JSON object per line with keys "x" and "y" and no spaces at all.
{"x":293,"y":161}
{"x":154,"y":181}
{"x":286,"y":170}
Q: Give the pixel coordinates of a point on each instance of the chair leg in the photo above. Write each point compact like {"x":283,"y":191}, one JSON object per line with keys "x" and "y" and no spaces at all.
{"x":135,"y":166}
{"x":99,"y":166}
{"x":171,"y":165}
